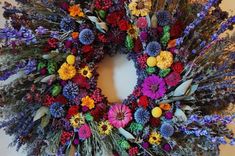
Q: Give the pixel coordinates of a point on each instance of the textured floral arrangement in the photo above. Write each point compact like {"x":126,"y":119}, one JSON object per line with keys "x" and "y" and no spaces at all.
{"x":185,"y":77}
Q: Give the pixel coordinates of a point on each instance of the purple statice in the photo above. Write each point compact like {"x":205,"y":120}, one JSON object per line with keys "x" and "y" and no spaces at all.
{"x":86,"y":36}
{"x":154,"y":87}
{"x":30,"y":67}
{"x":41,"y":30}
{"x":153,"y":48}
{"x":142,"y":116}
{"x":232,"y":142}
{"x":163,"y":17}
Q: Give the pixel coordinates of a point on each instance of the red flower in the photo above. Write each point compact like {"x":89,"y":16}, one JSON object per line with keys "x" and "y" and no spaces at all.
{"x":48,"y":100}
{"x":133,"y":151}
{"x":61,"y":99}
{"x":52,"y":43}
{"x":155,"y":122}
{"x":102,"y":38}
{"x":176,"y":29}
{"x":99,"y":111}
{"x":143,"y":101}
{"x":97,"y":96}
{"x":65,"y":136}
{"x":123,"y":25}
{"x":114,"y":18}
{"x":172,"y":79}
{"x":138,"y":46}
{"x":73,"y":110}
{"x":81,"y":81}
{"x":87,"y":49}
{"x":177,"y":67}
{"x":103,"y":4}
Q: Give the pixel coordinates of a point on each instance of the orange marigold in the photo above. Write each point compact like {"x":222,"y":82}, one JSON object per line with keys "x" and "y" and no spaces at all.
{"x":75,"y":10}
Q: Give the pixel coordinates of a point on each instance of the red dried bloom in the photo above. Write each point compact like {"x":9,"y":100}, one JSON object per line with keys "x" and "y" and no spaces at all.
{"x":142,"y":59}
{"x":72,"y":111}
{"x":133,"y":151}
{"x":102,"y":38}
{"x":81,"y":81}
{"x":138,"y":46}
{"x":143,"y":102}
{"x":155,"y":122}
{"x":173,"y":79}
{"x":176,"y":29}
{"x":177,"y":67}
{"x":61,"y":99}
{"x":48,"y":100}
{"x":97,"y":96}
{"x":52,"y":43}
{"x":137,"y":92}
{"x":87,"y":49}
{"x":123,"y":25}
{"x":65,"y":136}
{"x":114,"y":18}
{"x":103,"y":4}
{"x":99,"y":111}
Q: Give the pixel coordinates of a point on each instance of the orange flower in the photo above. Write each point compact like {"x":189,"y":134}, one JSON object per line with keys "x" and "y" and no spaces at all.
{"x":88,"y":102}
{"x":75,"y":35}
{"x":165,"y":106}
{"x":75,"y":10}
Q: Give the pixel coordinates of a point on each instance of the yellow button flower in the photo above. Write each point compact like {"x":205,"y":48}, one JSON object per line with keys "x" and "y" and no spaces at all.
{"x":77,"y":120}
{"x":164,"y":59}
{"x":105,"y":128}
{"x":151,"y":61}
{"x":71,"y":59}
{"x":155,"y":138}
{"x":67,"y":71}
{"x":140,"y":7}
{"x":86,"y":72}
{"x":156,"y":112}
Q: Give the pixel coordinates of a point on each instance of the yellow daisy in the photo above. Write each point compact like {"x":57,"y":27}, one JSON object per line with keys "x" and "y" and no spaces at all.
{"x":67,"y":71}
{"x":133,"y":31}
{"x":86,"y":72}
{"x":105,"y":128}
{"x":155,"y":138}
{"x":88,"y":102}
{"x":164,"y":59}
{"x":140,"y":7}
{"x":77,"y":120}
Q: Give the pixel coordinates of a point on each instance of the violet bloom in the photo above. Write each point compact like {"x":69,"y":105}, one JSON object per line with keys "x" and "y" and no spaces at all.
{"x":154,"y":87}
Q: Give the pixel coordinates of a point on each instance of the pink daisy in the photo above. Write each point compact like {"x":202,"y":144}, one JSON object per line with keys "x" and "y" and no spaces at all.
{"x":84,"y":132}
{"x":119,"y":115}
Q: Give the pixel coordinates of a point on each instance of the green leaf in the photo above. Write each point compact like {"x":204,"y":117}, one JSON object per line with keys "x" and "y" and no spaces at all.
{"x":41,"y":112}
{"x":182,"y":89}
{"x":129,"y":42}
{"x":45,"y":120}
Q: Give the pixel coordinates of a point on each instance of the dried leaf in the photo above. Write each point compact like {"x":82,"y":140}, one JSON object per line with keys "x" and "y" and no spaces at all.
{"x":126,"y":134}
{"x":45,"y":121}
{"x":192,"y":89}
{"x":41,"y":112}
{"x":180,"y":115}
{"x":182,"y":89}
{"x":48,"y":78}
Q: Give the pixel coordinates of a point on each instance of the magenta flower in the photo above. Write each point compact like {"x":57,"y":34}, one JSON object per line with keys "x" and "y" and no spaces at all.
{"x":154,"y":87}
{"x":119,"y":115}
{"x":84,"y":132}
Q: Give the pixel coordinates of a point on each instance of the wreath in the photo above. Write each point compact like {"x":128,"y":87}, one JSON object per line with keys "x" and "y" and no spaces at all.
{"x":185,"y":77}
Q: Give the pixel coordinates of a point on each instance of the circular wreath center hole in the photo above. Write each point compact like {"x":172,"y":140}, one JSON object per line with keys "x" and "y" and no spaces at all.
{"x":117,"y":77}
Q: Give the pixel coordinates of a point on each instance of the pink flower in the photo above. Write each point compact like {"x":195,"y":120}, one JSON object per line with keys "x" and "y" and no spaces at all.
{"x":119,"y":115}
{"x":173,"y":79}
{"x":84,"y":132}
{"x":142,"y":22}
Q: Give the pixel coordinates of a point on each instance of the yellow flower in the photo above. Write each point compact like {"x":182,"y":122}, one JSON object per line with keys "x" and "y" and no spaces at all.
{"x":155,"y":138}
{"x":164,"y":59}
{"x":67,"y":71}
{"x":77,"y":120}
{"x":133,"y":31}
{"x":75,"y":10}
{"x":71,"y":59}
{"x":88,"y":102}
{"x":140,"y":7}
{"x":86,"y":72}
{"x":105,"y":128}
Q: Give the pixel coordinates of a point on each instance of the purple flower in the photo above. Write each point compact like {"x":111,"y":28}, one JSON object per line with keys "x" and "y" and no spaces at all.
{"x":154,"y":87}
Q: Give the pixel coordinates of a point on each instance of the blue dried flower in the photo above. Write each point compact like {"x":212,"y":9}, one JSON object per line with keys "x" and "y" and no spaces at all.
{"x":166,"y":130}
{"x":57,"y":110}
{"x":141,"y":116}
{"x":163,"y":18}
{"x":86,"y":36}
{"x":153,"y":48}
{"x":70,"y":91}
{"x":67,"y":24}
